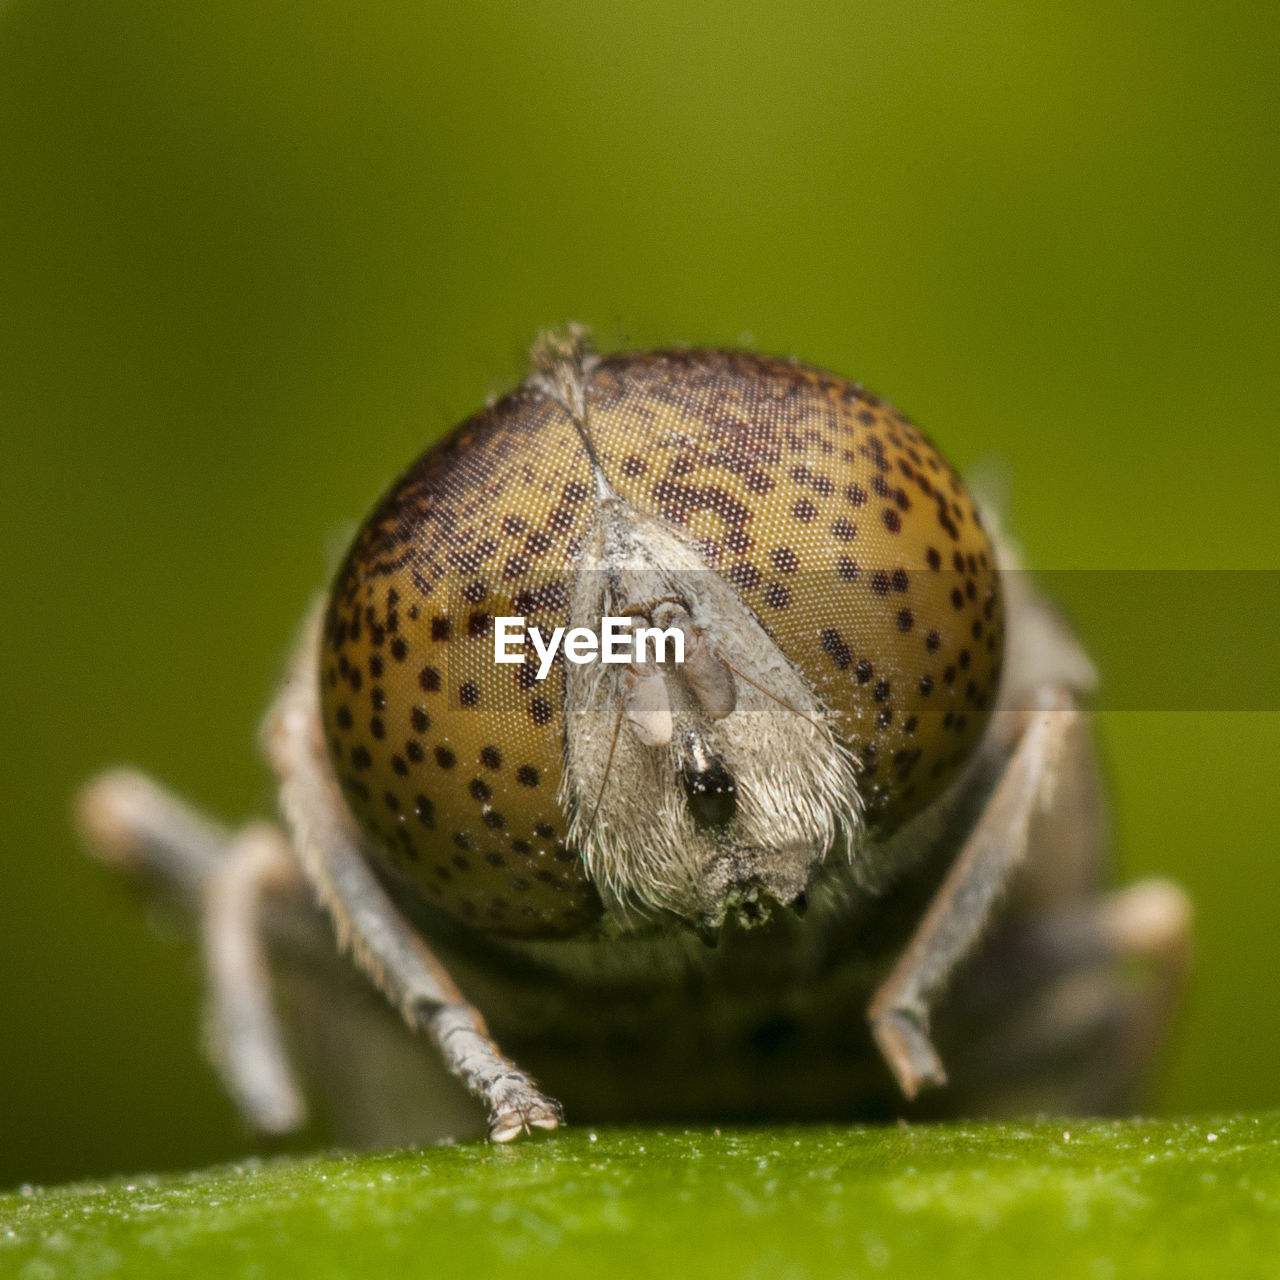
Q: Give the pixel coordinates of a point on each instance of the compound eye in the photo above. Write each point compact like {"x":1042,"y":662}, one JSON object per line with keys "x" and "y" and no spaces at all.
{"x":712,"y":793}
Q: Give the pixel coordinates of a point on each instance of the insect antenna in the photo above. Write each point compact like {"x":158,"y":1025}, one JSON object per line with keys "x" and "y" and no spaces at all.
{"x":604,"y":782}
{"x":757,"y":685}
{"x":563,"y":361}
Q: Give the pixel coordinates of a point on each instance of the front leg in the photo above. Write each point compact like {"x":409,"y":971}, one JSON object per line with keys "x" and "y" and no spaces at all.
{"x":962,"y":907}
{"x":384,"y":944}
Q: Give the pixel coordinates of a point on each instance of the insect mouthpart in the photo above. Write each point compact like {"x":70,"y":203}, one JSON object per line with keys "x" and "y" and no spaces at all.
{"x":750,"y":904}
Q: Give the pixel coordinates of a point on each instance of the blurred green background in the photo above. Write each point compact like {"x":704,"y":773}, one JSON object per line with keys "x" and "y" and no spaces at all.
{"x":253,"y":256}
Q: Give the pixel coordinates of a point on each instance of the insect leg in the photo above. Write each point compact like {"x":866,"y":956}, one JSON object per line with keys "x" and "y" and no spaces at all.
{"x":962,"y":907}
{"x":132,"y":824}
{"x":243,"y":1028}
{"x":367,"y":921}
{"x":135,"y":826}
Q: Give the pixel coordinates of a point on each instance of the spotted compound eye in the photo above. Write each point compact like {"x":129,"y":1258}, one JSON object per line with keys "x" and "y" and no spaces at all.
{"x":840,"y":527}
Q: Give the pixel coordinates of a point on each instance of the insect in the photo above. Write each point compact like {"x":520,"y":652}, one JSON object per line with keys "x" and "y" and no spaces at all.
{"x":838,"y":844}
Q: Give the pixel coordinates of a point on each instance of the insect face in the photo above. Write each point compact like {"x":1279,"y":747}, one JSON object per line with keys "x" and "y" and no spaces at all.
{"x":823,"y":569}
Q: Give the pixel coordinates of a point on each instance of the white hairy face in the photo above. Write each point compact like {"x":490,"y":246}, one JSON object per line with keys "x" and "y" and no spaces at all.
{"x":697,"y":788}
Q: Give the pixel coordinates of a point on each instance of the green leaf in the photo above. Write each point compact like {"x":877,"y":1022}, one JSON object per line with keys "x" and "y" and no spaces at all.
{"x":1089,"y":1200}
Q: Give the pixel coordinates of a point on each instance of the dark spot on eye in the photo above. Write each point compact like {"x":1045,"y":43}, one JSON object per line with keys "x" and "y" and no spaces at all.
{"x":516,"y":567}
{"x":804,"y":510}
{"x":909,"y":725}
{"x":399,"y":765}
{"x":527,"y":776}
{"x":965,"y":659}
{"x":884,"y":718}
{"x":932,"y":641}
{"x":957,"y":598}
{"x":445,"y":758}
{"x":468,"y":693}
{"x":491,"y":757}
{"x":847,"y":568}
{"x":425,"y":810}
{"x":634,"y":465}
{"x":540,"y":711}
{"x":836,"y":648}
{"x":360,"y":757}
{"x":480,"y":789}
{"x":475,"y":591}
{"x":521,"y":846}
{"x":784,"y":559}
{"x":413,"y":749}
{"x":375,"y":667}
{"x":420,"y":720}
{"x":343,"y":717}
{"x":906,"y":620}
{"x":881,"y":691}
{"x":744,"y":575}
{"x":539,"y":542}
{"x":926,"y":686}
{"x":880,"y":582}
{"x":495,"y":859}
{"x":494,"y":820}
{"x":390,"y":800}
{"x":900,"y":580}
{"x":478,"y":624}
{"x":355,"y":679}
{"x":777,"y":595}
{"x":863,"y":670}
{"x":949,"y":675}
{"x":399,"y":648}
{"x":378,"y":696}
{"x":441,"y":628}
{"x":545,"y":830}
{"x":575,"y":492}
{"x":976,"y":629}
{"x":513,"y":525}
{"x":429,"y":679}
{"x":892,"y":520}
{"x":856,"y":495}
{"x":355,"y":787}
{"x":933,"y":558}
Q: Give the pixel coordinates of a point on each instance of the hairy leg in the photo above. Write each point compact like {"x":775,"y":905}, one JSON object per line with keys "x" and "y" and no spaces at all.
{"x":383,"y":943}
{"x":1049,"y":726}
